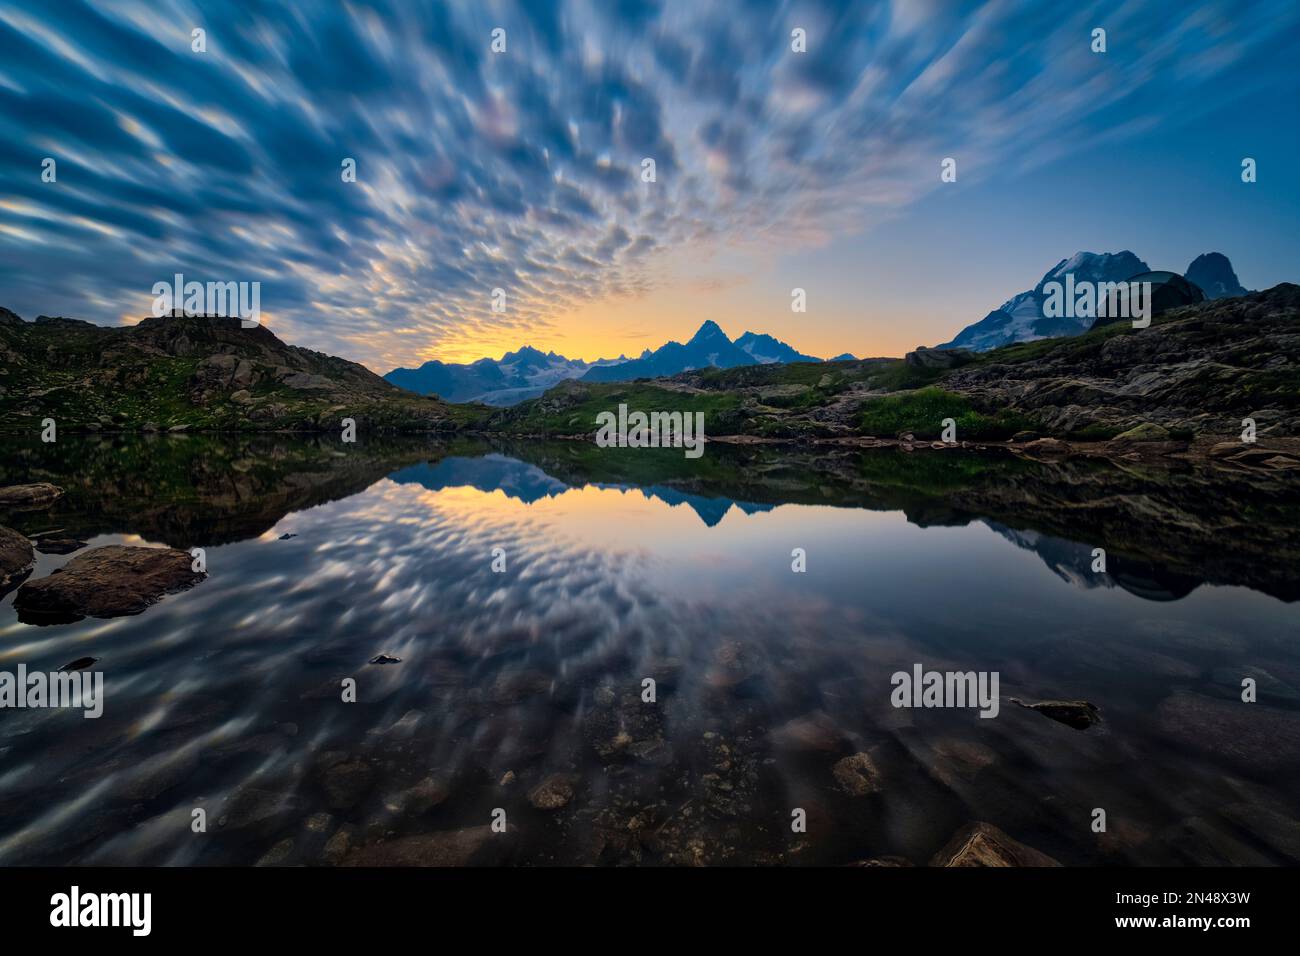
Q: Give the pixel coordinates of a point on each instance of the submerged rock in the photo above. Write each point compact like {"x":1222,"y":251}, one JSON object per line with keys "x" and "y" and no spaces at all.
{"x":278,"y":855}
{"x":418,"y":799}
{"x":857,"y":775}
{"x":552,"y":793}
{"x":810,"y":732}
{"x":338,"y":846}
{"x":107,"y":582}
{"x":734,"y":664}
{"x":1079,"y":714}
{"x":81,"y":663}
{"x":254,"y":807}
{"x":16,"y":558}
{"x":983,"y":844}
{"x":40,"y":494}
{"x":345,"y":783}
{"x":445,"y":848}
{"x":882,"y":861}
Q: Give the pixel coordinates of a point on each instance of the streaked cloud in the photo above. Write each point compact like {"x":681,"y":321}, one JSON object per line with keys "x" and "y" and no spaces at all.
{"x":522,"y":170}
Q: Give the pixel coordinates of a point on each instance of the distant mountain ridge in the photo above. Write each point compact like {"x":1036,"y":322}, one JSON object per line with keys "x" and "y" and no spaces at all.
{"x":708,"y":346}
{"x":1021,"y":318}
{"x":766,"y":349}
{"x":514,"y":377}
{"x":527,"y":373}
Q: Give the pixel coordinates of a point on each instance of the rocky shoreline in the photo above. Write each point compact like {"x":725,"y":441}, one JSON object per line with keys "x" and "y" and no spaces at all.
{"x":105,"y":582}
{"x":1195,"y":375}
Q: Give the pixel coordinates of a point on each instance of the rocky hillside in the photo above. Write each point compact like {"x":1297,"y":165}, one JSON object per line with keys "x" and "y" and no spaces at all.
{"x":200,"y":373}
{"x":1200,"y":369}
{"x":1196,"y":372}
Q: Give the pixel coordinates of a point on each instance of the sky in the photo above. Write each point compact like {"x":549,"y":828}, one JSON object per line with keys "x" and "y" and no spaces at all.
{"x":522,"y":169}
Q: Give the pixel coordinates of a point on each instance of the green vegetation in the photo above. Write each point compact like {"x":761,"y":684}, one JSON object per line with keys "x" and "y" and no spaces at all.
{"x":181,"y":374}
{"x":571,"y":409}
{"x":921,"y":412}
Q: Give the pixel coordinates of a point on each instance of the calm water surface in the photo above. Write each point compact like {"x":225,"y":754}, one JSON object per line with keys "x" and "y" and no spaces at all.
{"x":227,"y":697}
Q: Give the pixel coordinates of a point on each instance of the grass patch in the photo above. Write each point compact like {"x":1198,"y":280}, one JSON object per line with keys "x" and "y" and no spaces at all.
{"x":923,"y":410}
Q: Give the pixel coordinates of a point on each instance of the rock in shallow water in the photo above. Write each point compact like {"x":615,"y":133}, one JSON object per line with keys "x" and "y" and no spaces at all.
{"x":39,"y":494}
{"x":52,"y":545}
{"x":1078,"y":714}
{"x":1047,"y":447}
{"x":107,"y":582}
{"x":983,"y":844}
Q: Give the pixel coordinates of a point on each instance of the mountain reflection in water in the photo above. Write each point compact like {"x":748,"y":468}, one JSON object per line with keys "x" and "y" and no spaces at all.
{"x":522,"y":690}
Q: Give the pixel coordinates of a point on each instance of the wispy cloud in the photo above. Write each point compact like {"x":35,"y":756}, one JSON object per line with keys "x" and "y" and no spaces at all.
{"x":522,"y":170}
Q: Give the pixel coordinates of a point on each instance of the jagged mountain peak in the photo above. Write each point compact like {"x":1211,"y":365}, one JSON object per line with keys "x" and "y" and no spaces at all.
{"x":1213,"y":274}
{"x":707,"y":331}
{"x":1023,"y":319}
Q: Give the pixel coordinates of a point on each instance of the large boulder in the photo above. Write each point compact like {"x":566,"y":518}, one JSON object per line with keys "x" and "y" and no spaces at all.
{"x":106,"y":582}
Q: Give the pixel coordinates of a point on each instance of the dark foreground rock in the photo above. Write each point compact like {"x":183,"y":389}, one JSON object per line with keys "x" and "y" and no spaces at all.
{"x":39,"y":494}
{"x":983,"y":844}
{"x":16,"y":558}
{"x":107,"y":582}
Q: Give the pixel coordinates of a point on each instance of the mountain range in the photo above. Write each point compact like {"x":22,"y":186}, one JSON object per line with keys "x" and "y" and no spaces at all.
{"x":1021,"y":318}
{"x":514,"y":377}
{"x":1195,"y":373}
{"x":527,"y":373}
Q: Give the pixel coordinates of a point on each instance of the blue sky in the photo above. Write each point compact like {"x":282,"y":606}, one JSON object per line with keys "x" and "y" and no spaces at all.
{"x":521,"y":170}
